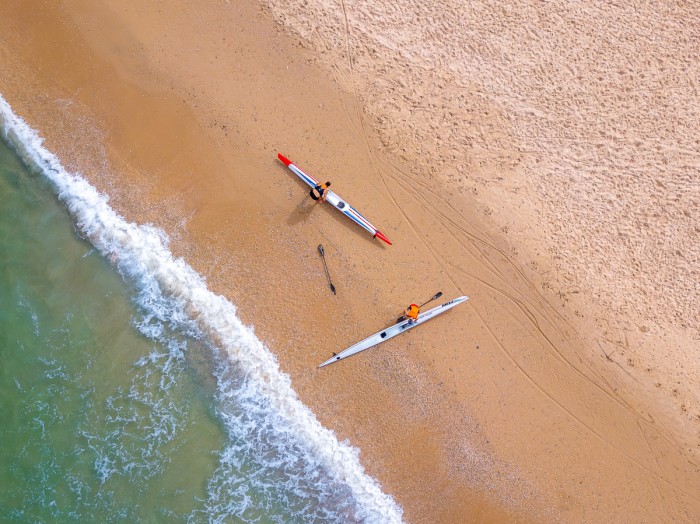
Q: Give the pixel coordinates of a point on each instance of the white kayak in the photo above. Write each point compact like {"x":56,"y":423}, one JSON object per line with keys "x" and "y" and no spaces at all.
{"x":394,"y":330}
{"x":334,"y":200}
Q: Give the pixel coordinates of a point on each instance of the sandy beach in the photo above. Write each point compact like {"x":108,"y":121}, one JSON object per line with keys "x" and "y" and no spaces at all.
{"x":543,"y":160}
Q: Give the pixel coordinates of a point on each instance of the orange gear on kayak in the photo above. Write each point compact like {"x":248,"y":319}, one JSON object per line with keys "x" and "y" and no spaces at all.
{"x":412,"y":311}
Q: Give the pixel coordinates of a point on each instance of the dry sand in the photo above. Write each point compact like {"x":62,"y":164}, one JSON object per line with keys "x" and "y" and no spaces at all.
{"x":542,"y":159}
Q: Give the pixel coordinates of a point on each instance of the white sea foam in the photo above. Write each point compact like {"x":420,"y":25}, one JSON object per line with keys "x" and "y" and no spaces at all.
{"x":175,"y":295}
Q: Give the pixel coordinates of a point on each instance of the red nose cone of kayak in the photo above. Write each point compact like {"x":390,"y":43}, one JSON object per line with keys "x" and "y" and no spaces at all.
{"x":381,"y":236}
{"x":284,"y":159}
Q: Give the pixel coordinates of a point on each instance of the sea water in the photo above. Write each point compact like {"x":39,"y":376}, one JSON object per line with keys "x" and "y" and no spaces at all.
{"x":97,"y":421}
{"x":131,"y":393}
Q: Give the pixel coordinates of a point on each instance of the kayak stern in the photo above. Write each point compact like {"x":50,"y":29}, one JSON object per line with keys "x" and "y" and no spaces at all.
{"x":381,"y":236}
{"x":284,"y":159}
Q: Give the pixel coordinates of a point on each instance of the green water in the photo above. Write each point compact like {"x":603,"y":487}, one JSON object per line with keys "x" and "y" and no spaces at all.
{"x":115,"y":406}
{"x":97,"y":422}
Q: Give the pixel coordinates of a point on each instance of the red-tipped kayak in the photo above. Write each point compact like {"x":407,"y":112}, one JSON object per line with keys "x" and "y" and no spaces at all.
{"x":336,"y":201}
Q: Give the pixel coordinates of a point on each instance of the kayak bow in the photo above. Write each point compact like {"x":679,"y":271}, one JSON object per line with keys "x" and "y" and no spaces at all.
{"x":337,"y":202}
{"x":394,"y":330}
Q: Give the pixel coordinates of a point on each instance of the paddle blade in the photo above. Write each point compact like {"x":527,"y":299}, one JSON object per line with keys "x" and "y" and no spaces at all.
{"x":437,"y":295}
{"x":320,"y":250}
{"x":333,"y":288}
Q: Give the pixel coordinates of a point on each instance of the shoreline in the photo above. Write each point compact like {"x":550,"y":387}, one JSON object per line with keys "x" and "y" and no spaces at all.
{"x":203,"y":163}
{"x":142,"y":258}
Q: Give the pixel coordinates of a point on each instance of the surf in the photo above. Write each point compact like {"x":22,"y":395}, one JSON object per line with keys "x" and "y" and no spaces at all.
{"x":255,"y":398}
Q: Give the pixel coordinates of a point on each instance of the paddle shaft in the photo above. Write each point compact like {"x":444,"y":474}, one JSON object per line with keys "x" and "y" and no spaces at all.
{"x":325,"y":267}
{"x":435,"y":297}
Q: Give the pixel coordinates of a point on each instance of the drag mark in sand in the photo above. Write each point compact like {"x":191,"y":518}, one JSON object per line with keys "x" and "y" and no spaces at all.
{"x":472,"y":237}
{"x":540,"y":333}
{"x":347,"y":35}
{"x":527,"y":311}
{"x":478,"y":239}
{"x":591,"y":110}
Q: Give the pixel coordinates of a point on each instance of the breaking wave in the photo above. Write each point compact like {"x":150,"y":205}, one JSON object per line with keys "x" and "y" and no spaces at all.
{"x":278,"y":459}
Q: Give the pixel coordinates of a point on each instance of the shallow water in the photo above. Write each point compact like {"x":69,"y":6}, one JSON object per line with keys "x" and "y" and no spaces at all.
{"x":129,"y":391}
{"x":98,"y":421}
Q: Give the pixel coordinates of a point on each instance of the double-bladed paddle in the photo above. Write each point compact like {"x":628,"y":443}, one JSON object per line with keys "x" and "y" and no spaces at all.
{"x":325,"y":267}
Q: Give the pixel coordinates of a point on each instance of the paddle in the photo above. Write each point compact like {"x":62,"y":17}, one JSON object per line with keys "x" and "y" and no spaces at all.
{"x":325,"y":267}
{"x":435,"y":297}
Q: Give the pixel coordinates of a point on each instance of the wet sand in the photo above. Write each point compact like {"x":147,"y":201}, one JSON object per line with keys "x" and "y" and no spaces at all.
{"x":542,"y":398}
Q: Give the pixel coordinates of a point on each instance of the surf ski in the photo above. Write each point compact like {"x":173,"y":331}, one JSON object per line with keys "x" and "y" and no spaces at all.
{"x":334,"y":200}
{"x":394,"y":330}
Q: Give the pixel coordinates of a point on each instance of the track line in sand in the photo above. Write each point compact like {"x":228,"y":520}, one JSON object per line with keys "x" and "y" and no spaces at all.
{"x":551,"y":344}
{"x":384,"y":168}
{"x":540,"y":334}
{"x":383,"y":172}
{"x":360,"y":128}
{"x":583,"y":424}
{"x":356,"y":119}
{"x":544,"y":306}
{"x":347,"y":34}
{"x":532,"y":319}
{"x":523,"y":304}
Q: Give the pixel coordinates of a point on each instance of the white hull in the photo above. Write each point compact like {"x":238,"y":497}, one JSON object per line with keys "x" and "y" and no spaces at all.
{"x":394,"y":330}
{"x":334,"y":200}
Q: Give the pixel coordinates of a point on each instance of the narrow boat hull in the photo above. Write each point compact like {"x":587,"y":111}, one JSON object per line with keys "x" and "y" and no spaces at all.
{"x":394,"y":330}
{"x":335,"y":200}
